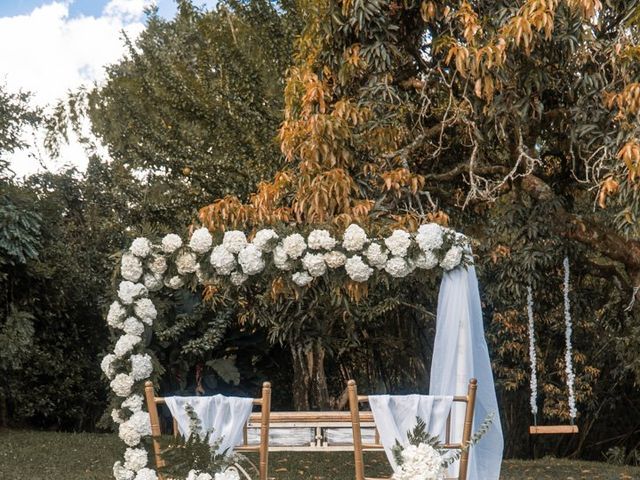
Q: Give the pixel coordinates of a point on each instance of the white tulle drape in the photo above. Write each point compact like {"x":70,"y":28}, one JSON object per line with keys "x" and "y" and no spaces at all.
{"x":460,"y":353}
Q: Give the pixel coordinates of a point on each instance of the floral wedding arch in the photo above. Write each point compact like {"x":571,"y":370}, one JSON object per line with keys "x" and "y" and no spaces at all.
{"x":147,"y":268}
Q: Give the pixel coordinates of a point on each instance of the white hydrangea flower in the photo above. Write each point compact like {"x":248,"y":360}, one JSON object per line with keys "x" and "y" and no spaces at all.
{"x":107,"y":366}
{"x":201,"y":240}
{"x":146,"y":474}
{"x":357,"y":270}
{"x":426,"y":260}
{"x":314,"y":264}
{"x":265,"y":240}
{"x":250,"y":259}
{"x":130,"y":267}
{"x":376,"y":256}
{"x":116,"y":313}
{"x":186,"y":263}
{"x":294,"y":245}
{"x":135,"y":458}
{"x":141,"y":422}
{"x":238,"y":278}
{"x":281,"y":259}
{"x":398,"y":267}
{"x":129,"y":434}
{"x":223,"y":260}
{"x":141,"y":366}
{"x":133,"y":403}
{"x":122,"y":385}
{"x":125,"y":344}
{"x":171,"y":242}
{"x":226,"y":475}
{"x":157,"y":265}
{"x":301,"y":278}
{"x":122,"y":473}
{"x":116,"y":416}
{"x":145,"y":310}
{"x":195,"y":475}
{"x":141,"y":247}
{"x":430,"y":236}
{"x":398,"y":243}
{"x":420,"y":462}
{"x":129,"y":291}
{"x":152,"y":282}
{"x":174,"y":282}
{"x":321,"y":240}
{"x":234,"y":241}
{"x":335,"y":259}
{"x":452,"y":258}
{"x":354,"y":238}
{"x":133,"y":326}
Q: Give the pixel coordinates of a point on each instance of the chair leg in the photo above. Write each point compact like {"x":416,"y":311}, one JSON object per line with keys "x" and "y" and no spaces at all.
{"x":264,"y":430}
{"x":468,"y":425}
{"x":355,"y":424}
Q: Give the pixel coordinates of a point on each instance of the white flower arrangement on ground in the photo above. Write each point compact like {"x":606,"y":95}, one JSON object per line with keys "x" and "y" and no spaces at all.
{"x":425,"y":458}
{"x":146,"y":268}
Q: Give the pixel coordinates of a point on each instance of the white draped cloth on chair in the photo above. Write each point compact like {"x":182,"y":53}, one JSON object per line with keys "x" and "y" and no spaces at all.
{"x":395,"y":415}
{"x":224,"y":417}
{"x":460,"y":353}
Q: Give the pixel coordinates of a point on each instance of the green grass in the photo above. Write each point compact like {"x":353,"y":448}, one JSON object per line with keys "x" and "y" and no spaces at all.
{"x":63,"y":456}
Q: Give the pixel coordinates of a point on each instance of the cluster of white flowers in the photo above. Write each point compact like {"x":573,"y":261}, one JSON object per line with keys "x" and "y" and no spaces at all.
{"x":234,"y":241}
{"x":223,"y":260}
{"x":250,"y":260}
{"x":229,"y":474}
{"x":422,"y":462}
{"x":568,"y":354}
{"x":140,"y":247}
{"x":354,"y":238}
{"x":201,"y":240}
{"x":398,"y":243}
{"x":321,"y":240}
{"x":294,"y":245}
{"x":130,"y":267}
{"x":186,"y":263}
{"x":314,"y":264}
{"x":171,"y":243}
{"x":141,"y":366}
{"x":116,"y":314}
{"x":135,"y":459}
{"x":122,"y":384}
{"x":144,"y":268}
{"x":533,"y":381}
{"x":357,"y":270}
{"x":129,"y":291}
{"x":266,"y":240}
{"x":376,"y":255}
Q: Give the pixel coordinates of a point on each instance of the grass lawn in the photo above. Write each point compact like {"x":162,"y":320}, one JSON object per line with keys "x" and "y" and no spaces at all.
{"x":63,"y":456}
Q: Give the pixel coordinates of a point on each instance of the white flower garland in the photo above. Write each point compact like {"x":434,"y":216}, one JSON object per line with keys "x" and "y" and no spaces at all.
{"x":147,"y":268}
{"x":533,"y":381}
{"x":568,"y":355}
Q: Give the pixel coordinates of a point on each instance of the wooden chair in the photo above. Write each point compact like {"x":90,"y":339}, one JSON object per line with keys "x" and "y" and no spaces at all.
{"x":264,"y":402}
{"x":358,"y":447}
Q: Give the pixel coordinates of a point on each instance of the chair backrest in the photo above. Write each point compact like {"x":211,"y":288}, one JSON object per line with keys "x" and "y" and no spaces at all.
{"x":358,"y":447}
{"x":264,"y":402}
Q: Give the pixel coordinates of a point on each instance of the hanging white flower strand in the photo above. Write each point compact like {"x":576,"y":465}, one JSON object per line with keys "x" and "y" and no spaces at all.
{"x":533,"y":381}
{"x":568,"y":356}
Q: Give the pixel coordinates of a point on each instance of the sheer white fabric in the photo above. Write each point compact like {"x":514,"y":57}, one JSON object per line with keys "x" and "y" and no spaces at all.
{"x":460,"y":353}
{"x":395,"y":415}
{"x":224,"y":417}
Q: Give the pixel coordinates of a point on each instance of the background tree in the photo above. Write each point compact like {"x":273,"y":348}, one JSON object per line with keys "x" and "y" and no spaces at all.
{"x":516,"y":122}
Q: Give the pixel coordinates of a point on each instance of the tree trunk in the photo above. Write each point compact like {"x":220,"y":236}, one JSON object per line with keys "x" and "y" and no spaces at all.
{"x":310,"y":391}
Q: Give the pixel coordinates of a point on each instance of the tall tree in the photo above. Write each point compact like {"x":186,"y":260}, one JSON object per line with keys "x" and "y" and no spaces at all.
{"x":514,"y":120}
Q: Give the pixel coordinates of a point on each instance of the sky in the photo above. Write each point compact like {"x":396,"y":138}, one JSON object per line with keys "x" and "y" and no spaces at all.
{"x":49,"y":47}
